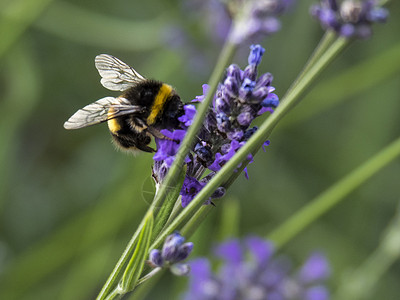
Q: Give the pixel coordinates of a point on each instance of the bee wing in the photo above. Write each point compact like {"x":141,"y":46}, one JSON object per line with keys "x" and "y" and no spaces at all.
{"x":116,"y":75}
{"x":100,"y":111}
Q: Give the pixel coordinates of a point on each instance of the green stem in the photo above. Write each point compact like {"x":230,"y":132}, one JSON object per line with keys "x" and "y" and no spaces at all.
{"x":191,"y":226}
{"x":169,"y":204}
{"x":175,"y":211}
{"x":334,"y":195}
{"x":322,"y":46}
{"x":258,"y":138}
{"x":361,"y":282}
{"x":115,"y":275}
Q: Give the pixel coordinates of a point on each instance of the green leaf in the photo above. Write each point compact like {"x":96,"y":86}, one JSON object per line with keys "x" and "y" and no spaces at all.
{"x":168,"y":206}
{"x":361,"y":283}
{"x":136,"y":264}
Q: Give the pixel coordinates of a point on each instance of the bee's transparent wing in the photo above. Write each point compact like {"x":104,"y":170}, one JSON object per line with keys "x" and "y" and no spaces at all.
{"x":100,"y":111}
{"x":116,"y":75}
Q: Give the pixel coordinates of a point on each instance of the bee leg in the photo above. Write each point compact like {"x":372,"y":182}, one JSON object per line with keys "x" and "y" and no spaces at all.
{"x":145,"y":148}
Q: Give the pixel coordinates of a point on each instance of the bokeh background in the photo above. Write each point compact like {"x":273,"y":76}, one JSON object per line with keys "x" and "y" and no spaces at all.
{"x":69,"y":202}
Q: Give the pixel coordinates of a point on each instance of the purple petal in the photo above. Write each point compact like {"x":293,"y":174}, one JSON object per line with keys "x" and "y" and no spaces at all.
{"x":316,"y":293}
{"x":246,"y":173}
{"x":267,"y":142}
{"x":272,"y":100}
{"x":201,"y":98}
{"x":171,"y":246}
{"x":200,"y":269}
{"x":261,"y":249}
{"x":256,"y":53}
{"x":315,"y":268}
{"x":187,"y":118}
{"x":184,"y":251}
{"x":155,"y":258}
{"x":190,"y":188}
{"x":230,"y":251}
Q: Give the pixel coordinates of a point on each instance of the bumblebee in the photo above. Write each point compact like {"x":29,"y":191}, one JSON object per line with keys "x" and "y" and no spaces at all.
{"x":145,"y":107}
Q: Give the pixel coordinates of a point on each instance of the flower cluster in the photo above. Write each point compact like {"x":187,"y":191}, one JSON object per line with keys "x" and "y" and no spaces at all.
{"x":240,"y":98}
{"x":256,"y":275}
{"x":254,"y":19}
{"x":261,"y":21}
{"x":352,"y":18}
{"x":173,"y":252}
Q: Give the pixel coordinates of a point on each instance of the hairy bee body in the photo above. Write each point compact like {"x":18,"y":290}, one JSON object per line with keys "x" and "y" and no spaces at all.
{"x":145,"y":107}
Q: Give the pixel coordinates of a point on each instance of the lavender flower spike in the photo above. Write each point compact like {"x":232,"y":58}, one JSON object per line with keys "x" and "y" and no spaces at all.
{"x":350,"y":18}
{"x":260,"y":20}
{"x":173,"y":252}
{"x":239,"y":99}
{"x":249,"y":271}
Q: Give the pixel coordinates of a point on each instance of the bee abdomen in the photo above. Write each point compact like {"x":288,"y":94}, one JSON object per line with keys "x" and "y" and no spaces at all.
{"x":133,"y":141}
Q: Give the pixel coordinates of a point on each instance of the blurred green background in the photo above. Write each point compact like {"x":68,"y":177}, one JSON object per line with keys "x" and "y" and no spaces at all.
{"x":69,"y":202}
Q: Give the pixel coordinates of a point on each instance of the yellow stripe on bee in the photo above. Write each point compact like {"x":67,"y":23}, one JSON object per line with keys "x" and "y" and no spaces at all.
{"x":159,"y":102}
{"x":113,"y":124}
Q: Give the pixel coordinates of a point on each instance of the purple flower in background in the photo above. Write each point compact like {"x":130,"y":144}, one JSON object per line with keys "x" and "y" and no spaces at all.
{"x":350,"y":18}
{"x":255,"y":19}
{"x":315,"y":268}
{"x":173,"y":252}
{"x":261,"y":20}
{"x":249,"y":271}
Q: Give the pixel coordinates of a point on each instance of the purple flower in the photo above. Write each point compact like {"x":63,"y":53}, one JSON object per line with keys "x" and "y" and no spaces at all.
{"x":190,"y":188}
{"x":173,"y":252}
{"x":230,"y":251}
{"x":271,"y":100}
{"x":167,"y":148}
{"x":266,"y":143}
{"x":260,"y":249}
{"x":256,"y":53}
{"x":350,"y":18}
{"x":261,"y":21}
{"x":221,"y":159}
{"x":223,"y":122}
{"x":159,"y":171}
{"x":187,"y":118}
{"x":244,"y":118}
{"x":203,"y":152}
{"x":156,"y":258}
{"x":246,"y":173}
{"x":315,"y":268}
{"x":246,"y":90}
{"x":316,"y":293}
{"x":201,"y":98}
{"x":259,"y":275}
